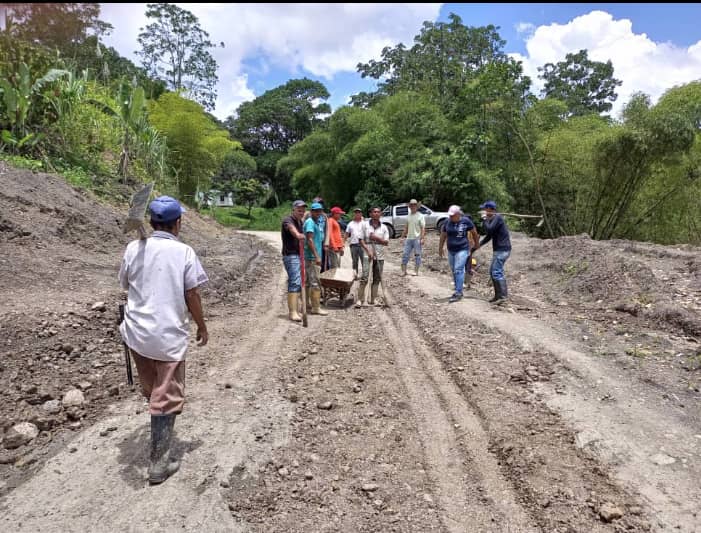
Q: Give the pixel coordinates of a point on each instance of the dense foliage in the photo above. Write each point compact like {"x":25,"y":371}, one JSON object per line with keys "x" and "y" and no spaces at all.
{"x":453,"y":119}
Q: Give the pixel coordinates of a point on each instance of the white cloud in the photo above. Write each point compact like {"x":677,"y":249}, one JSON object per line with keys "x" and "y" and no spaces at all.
{"x":524,"y":28}
{"x":322,"y":39}
{"x":639,"y":62}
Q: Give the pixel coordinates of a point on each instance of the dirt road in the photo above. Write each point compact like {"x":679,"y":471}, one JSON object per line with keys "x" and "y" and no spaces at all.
{"x":422,"y":417}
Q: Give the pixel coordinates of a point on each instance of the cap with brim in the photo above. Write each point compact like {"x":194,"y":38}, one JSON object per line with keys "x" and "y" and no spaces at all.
{"x":165,"y":209}
{"x":489,"y":204}
{"x":357,"y":210}
{"x":453,"y":210}
{"x":317,"y":206}
{"x":337,"y":210}
{"x":412,"y":202}
{"x":299,"y":203}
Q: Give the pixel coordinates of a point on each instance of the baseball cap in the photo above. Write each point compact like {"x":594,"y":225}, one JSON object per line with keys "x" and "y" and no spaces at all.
{"x":453,"y":210}
{"x":489,"y":204}
{"x":357,"y":210}
{"x":165,"y":209}
{"x":413,"y":201}
{"x":317,"y":206}
{"x":299,"y":203}
{"x":337,"y":209}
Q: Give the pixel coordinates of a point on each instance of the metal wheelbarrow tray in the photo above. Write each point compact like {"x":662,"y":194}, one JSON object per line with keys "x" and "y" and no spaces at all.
{"x":336,"y":282}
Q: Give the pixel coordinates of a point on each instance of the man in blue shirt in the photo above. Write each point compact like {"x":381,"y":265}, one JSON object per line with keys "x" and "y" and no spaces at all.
{"x":456,"y":231}
{"x":498,"y":233}
{"x":313,"y":249}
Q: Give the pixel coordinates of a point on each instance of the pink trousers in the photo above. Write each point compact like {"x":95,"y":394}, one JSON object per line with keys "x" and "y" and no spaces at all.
{"x":162,"y":383}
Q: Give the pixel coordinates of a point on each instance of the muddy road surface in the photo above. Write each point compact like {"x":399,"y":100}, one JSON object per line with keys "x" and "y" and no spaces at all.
{"x":566,"y":409}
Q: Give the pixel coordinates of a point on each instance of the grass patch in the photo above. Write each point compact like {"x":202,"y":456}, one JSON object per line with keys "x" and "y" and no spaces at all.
{"x":261,"y":219}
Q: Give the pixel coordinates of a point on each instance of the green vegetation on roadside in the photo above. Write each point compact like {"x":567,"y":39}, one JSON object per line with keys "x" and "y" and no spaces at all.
{"x":261,"y":219}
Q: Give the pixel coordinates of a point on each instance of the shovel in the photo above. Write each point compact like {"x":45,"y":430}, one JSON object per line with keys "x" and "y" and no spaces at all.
{"x":135,"y":221}
{"x":137,"y":211}
{"x":304,"y":281}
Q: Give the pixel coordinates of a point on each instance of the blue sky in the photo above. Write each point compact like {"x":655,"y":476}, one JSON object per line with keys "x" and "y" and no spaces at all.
{"x":653,"y":47}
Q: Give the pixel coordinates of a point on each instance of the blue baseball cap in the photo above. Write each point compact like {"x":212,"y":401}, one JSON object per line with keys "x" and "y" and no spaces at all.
{"x":489,"y":204}
{"x":317,"y":205}
{"x":165,"y":209}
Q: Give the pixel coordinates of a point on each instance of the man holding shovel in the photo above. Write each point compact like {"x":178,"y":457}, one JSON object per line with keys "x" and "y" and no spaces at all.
{"x":378,"y":238}
{"x":162,"y":276}
{"x":292,"y":234}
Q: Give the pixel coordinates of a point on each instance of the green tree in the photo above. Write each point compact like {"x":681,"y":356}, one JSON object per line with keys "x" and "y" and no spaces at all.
{"x":586,"y":86}
{"x":174,"y":47}
{"x":237,"y":166}
{"x":445,"y":56}
{"x":55,"y":25}
{"x":271,"y":123}
{"x":248,"y":192}
{"x":197,"y":145}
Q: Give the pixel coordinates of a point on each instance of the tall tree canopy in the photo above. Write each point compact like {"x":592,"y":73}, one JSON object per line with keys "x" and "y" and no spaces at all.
{"x":56,"y":25}
{"x":270,"y":124}
{"x":586,"y":86}
{"x":174,"y":47}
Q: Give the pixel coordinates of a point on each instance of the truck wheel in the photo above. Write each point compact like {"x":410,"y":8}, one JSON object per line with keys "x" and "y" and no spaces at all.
{"x":391,"y":231}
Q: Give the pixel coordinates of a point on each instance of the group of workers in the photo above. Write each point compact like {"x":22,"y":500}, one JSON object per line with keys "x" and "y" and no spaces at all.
{"x":319,"y":239}
{"x":162,"y":276}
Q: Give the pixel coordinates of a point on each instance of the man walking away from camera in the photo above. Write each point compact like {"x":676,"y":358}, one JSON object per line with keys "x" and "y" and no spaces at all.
{"x":162,"y":276}
{"x":498,"y":233}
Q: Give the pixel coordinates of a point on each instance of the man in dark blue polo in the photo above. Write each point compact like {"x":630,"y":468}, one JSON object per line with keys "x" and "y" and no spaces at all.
{"x":498,"y":233}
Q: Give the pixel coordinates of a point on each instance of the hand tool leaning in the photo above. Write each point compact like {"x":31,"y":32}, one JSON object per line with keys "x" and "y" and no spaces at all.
{"x":135,"y":221}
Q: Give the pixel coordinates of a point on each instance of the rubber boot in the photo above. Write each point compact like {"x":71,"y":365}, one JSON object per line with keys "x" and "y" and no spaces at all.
{"x":292,"y":303}
{"x":503,"y":290}
{"x":161,"y":467}
{"x":416,"y":270}
{"x":316,"y":303}
{"x":355,"y":274}
{"x":374,"y":288}
{"x":361,"y":294}
{"x":403,"y":270}
{"x":497,"y":291}
{"x":309,"y":298}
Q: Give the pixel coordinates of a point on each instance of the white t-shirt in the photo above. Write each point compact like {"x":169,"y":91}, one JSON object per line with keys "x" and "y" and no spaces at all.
{"x":358,"y":231}
{"x":381,"y":232}
{"x":157,"y":271}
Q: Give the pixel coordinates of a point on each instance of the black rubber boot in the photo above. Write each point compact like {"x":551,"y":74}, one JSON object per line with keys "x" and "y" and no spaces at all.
{"x":497,"y":291}
{"x":503,"y":290}
{"x":161,"y":467}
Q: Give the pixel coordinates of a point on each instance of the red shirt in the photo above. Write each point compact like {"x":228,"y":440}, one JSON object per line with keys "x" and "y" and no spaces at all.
{"x":335,"y":238}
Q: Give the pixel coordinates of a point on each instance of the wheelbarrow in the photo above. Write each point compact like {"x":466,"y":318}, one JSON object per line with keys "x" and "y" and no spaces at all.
{"x":336,"y":282}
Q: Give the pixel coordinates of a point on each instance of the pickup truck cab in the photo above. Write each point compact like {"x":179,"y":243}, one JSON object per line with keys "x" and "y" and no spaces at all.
{"x":395,"y":216}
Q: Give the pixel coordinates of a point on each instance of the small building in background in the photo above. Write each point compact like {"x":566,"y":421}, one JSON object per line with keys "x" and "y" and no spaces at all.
{"x":215,"y":198}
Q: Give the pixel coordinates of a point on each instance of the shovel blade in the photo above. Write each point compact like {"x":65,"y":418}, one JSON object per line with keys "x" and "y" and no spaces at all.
{"x":137,"y":211}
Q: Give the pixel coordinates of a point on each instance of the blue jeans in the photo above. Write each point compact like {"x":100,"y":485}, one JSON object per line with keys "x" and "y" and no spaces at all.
{"x":409,"y":245}
{"x":496,"y":270}
{"x":457,"y":261}
{"x":294,"y":273}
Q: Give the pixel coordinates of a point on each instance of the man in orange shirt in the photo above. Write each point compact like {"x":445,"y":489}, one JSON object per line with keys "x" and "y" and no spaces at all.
{"x":336,"y":243}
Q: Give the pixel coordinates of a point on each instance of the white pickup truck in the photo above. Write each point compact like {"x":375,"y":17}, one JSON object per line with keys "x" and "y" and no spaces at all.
{"x":394,"y":217}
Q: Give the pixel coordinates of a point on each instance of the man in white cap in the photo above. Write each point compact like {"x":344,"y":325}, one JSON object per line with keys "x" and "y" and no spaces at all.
{"x":162,"y":276}
{"x":457,"y":231}
{"x":414,"y":232}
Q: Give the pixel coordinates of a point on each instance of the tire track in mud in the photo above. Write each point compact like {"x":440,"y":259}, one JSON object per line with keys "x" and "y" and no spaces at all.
{"x":652,"y":449}
{"x":469,"y":486}
{"x":98,"y":483}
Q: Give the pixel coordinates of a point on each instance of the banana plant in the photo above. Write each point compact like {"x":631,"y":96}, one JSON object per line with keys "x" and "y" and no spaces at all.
{"x":19,"y":96}
{"x":130,"y":111}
